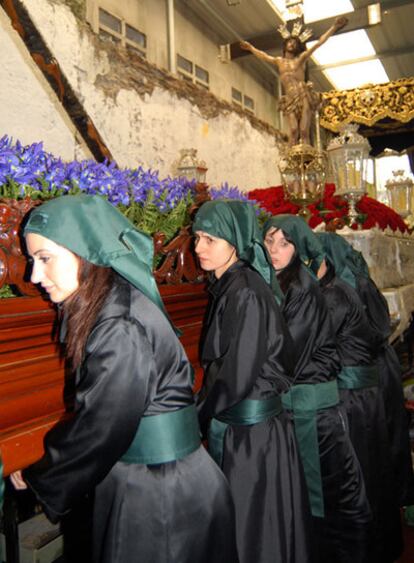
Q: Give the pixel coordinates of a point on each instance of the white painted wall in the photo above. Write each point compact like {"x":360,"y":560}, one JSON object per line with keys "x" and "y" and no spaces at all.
{"x":148,"y":130}
{"x":30,"y":111}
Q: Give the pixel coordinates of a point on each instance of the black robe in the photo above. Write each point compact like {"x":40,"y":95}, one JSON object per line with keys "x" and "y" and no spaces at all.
{"x":246,"y":354}
{"x":342,"y":535}
{"x":179,"y":511}
{"x":389,"y":366}
{"x":355,"y":344}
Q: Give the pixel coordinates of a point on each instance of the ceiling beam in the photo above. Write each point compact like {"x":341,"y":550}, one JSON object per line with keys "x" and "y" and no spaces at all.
{"x":408,"y":50}
{"x":358,"y":19}
{"x":389,"y":4}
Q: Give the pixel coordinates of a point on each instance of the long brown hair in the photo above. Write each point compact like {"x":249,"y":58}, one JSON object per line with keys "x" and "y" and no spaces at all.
{"x":82,"y":308}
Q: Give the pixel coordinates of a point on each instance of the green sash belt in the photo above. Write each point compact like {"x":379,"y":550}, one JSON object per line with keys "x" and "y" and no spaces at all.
{"x":358,"y":377}
{"x":245,"y":413}
{"x":165,"y":437}
{"x":305,"y":400}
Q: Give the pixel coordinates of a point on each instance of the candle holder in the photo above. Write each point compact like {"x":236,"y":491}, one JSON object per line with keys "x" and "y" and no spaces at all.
{"x":348,"y":155}
{"x":190,"y":166}
{"x":302,"y":168}
{"x":399,"y":191}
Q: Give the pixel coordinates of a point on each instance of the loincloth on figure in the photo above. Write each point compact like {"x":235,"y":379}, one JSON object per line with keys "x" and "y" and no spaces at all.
{"x":297,"y":93}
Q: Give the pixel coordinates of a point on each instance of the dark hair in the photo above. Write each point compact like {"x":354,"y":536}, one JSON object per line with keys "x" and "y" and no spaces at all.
{"x":82,"y":308}
{"x":300,"y":47}
{"x":329,"y":275}
{"x":291,"y":272}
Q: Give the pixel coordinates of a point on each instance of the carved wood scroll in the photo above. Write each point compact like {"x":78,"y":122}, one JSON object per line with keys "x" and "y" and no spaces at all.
{"x":13,"y":262}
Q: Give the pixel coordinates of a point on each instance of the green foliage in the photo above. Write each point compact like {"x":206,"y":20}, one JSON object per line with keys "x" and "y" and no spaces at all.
{"x":7,"y":291}
{"x":149,"y":219}
{"x":262,"y":215}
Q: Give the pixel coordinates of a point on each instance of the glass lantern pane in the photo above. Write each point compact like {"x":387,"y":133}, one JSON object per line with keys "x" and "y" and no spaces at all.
{"x":189,"y":172}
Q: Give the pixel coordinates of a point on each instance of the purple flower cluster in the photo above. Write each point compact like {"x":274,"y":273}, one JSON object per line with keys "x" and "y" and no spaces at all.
{"x":22,"y":166}
{"x":31,"y":171}
{"x":228,"y":192}
{"x":233,"y":192}
{"x":145,"y":187}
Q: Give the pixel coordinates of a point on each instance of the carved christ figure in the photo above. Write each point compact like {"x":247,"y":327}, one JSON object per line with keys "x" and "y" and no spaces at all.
{"x":300,"y":100}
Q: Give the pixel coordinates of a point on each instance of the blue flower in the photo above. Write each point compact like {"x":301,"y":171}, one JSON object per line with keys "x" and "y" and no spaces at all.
{"x":233,"y":192}
{"x":30,"y":170}
{"x":228,"y":192}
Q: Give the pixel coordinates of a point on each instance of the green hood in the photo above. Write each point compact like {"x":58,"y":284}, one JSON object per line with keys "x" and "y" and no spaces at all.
{"x":236,"y":222}
{"x":348,"y":262}
{"x":307,"y":245}
{"x":93,"y":229}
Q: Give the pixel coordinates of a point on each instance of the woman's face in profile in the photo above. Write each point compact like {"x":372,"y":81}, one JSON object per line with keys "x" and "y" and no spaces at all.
{"x":215,"y":254}
{"x":281,"y":251}
{"x":55,"y":267}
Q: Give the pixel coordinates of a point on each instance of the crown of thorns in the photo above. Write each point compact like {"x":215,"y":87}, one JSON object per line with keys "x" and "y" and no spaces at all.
{"x":297,"y":32}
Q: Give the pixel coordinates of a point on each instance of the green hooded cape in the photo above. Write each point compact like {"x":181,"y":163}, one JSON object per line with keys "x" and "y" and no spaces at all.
{"x":349,"y":264}
{"x":236,"y":222}
{"x":93,"y":229}
{"x":307,"y":245}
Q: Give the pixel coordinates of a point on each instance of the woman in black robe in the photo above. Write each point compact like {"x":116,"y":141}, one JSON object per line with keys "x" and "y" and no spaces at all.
{"x":362,"y":398}
{"x":247,"y":360}
{"x":341,"y":513}
{"x":134,"y":436}
{"x":355,"y":270}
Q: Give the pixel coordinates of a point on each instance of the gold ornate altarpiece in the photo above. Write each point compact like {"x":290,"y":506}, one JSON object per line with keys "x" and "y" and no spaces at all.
{"x":368,"y":105}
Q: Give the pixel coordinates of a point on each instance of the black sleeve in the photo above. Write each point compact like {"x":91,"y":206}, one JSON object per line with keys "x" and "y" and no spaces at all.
{"x":110,"y":400}
{"x":353,"y":335}
{"x":308,"y":320}
{"x":228,"y":379}
{"x":376,"y":308}
{"x":339,"y":308}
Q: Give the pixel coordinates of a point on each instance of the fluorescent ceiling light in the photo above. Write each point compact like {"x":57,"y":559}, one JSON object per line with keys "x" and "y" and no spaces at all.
{"x":357,"y":75}
{"x":315,"y":10}
{"x":344,"y":47}
{"x":280,"y":6}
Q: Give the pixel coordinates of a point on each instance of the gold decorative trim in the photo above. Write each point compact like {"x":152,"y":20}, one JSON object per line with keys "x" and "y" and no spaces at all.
{"x":368,"y":105}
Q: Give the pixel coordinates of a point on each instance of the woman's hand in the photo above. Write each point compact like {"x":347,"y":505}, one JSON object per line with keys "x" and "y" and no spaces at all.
{"x":18,"y":482}
{"x":323,"y":268}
